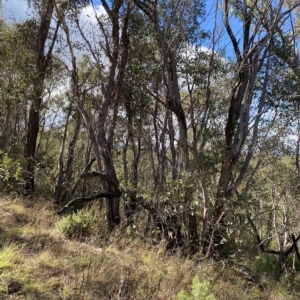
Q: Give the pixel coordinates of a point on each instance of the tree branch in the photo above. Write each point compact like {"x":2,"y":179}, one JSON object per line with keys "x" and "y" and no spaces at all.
{"x":295,"y":245}
{"x":139,"y":200}
{"x":86,"y":199}
{"x":101,"y":175}
{"x":287,"y":249}
{"x":231,"y":35}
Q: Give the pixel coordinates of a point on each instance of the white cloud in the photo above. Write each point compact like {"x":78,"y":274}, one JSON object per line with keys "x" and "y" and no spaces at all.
{"x":15,"y":10}
{"x":18,"y":10}
{"x":88,"y":13}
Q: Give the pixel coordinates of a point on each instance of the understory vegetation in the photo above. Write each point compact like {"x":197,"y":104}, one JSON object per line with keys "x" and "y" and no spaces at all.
{"x":37,"y":261}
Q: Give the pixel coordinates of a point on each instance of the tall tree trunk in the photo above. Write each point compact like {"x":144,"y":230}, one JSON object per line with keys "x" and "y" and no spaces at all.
{"x":173,"y":103}
{"x":119,"y":38}
{"x":130,"y":205}
{"x":249,"y":61}
{"x":59,"y":177}
{"x":42,"y":63}
{"x":70,"y":160}
{"x":116,"y":48}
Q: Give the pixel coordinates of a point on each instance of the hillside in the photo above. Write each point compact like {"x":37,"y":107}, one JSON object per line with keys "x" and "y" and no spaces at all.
{"x":150,"y":149}
{"x":38,"y":262}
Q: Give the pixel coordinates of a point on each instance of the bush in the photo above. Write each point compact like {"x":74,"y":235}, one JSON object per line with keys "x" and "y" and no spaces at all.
{"x":77,"y":224}
{"x":10,"y":170}
{"x":200,"y":290}
{"x":266,"y":265}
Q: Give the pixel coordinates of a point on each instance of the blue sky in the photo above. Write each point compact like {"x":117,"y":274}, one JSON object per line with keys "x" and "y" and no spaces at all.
{"x":208,"y":24}
{"x":16,"y":10}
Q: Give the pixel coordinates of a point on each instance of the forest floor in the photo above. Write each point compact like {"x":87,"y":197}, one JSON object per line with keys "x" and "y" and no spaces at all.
{"x":38,"y":262}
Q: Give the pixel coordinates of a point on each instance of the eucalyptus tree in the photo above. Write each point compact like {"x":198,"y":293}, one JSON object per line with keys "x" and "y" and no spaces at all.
{"x":270,"y":202}
{"x":137,"y":106}
{"x":275,"y":217}
{"x":43,"y":56}
{"x":287,"y":49}
{"x":144,"y":83}
{"x":110,"y":55}
{"x":175,"y":23}
{"x":66,"y":181}
{"x":16,"y":81}
{"x":246,"y":108}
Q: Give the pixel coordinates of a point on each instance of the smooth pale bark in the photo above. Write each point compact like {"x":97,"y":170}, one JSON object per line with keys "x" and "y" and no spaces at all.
{"x":59,"y":177}
{"x":172,"y":147}
{"x":68,"y":171}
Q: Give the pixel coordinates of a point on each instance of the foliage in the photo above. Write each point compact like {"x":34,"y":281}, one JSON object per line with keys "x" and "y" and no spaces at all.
{"x":36,"y":262}
{"x":266,"y":265}
{"x":78,"y":224}
{"x":10,"y":169}
{"x":200,"y":290}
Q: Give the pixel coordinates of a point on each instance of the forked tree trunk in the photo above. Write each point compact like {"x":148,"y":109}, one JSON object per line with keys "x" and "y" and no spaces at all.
{"x":117,"y":52}
{"x":256,"y":52}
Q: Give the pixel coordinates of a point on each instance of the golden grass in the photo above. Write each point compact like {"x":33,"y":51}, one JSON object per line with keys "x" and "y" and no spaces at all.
{"x":37,"y":262}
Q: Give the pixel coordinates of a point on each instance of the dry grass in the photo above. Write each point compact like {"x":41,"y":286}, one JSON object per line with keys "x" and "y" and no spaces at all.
{"x":38,"y":262}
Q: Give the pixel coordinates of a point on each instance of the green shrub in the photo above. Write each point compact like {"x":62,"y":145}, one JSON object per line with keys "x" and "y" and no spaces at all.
{"x":10,"y":170}
{"x":200,"y":290}
{"x":266,"y":265}
{"x":77,"y":224}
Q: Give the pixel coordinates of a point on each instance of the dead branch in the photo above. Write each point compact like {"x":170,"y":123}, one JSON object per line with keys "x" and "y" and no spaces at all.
{"x":287,"y":249}
{"x":295,"y":245}
{"x":101,"y":175}
{"x":86,"y":199}
{"x":139,"y":200}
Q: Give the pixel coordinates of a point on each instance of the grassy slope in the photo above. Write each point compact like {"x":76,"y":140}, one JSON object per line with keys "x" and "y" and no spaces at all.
{"x":37,"y":262}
